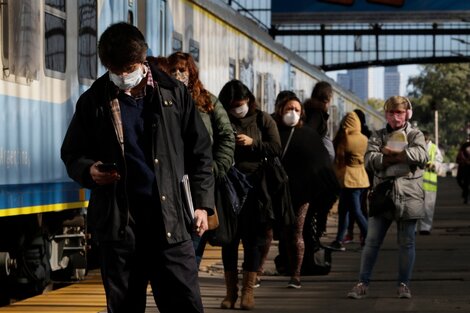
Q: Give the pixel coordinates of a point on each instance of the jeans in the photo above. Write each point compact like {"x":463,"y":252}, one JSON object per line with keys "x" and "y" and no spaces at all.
{"x":350,"y":202}
{"x":378,"y":227}
{"x":199,"y":244}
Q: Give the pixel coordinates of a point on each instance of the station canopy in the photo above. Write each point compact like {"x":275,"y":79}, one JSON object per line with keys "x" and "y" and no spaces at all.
{"x":346,"y":34}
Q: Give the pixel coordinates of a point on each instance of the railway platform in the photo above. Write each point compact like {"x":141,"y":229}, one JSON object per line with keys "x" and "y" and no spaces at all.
{"x":441,"y":280}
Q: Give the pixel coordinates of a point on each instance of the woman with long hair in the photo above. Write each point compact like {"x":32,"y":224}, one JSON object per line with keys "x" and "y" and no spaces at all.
{"x":256,"y":136}
{"x":182,"y":66}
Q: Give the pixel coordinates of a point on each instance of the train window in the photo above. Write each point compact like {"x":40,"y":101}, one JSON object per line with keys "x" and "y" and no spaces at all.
{"x":258,"y":92}
{"x":232,"y":69}
{"x":247,"y":74}
{"x":87,"y":42}
{"x":194,"y":49}
{"x":56,"y":4}
{"x":130,"y":17}
{"x":292,"y":80}
{"x":269,"y":90}
{"x":21,"y":39}
{"x":177,"y":42}
{"x":4,"y":34}
{"x":55,"y":31}
{"x":300,"y":93}
{"x":163,"y":27}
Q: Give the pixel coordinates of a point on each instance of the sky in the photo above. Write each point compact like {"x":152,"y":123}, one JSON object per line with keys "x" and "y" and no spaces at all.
{"x":378,"y":76}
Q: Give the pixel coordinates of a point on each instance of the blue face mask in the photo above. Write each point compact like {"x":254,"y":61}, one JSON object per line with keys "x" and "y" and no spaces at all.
{"x":129,"y":81}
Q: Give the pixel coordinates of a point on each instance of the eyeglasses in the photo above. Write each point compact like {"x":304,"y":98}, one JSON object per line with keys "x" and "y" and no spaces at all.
{"x":396,"y":112}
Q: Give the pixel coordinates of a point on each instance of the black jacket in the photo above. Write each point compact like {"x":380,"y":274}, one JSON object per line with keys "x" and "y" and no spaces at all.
{"x":92,"y":137}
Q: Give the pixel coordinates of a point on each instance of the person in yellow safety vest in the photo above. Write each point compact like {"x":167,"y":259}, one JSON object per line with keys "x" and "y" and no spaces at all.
{"x":429,"y":185}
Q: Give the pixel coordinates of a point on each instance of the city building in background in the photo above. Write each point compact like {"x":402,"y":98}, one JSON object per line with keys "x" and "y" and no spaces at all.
{"x":392,"y":82}
{"x":358,"y":81}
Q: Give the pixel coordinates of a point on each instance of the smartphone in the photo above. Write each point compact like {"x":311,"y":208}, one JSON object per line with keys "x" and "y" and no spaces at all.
{"x":107,"y":167}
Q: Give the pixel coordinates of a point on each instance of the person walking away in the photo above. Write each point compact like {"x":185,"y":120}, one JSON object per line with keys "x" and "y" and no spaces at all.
{"x":463,"y":170}
{"x":316,"y":116}
{"x":349,"y":237}
{"x":182,"y":67}
{"x":306,"y":162}
{"x":424,"y":225}
{"x":406,"y":203}
{"x":350,"y":147}
{"x":143,"y":123}
{"x":252,"y":142}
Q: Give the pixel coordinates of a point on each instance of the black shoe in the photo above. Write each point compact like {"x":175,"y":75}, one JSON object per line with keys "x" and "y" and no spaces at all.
{"x":337,"y":246}
{"x":294,"y":283}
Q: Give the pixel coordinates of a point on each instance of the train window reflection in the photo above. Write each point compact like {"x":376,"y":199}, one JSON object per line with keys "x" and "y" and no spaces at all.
{"x":57,"y":4}
{"x":231,"y":69}
{"x":87,"y":42}
{"x":55,"y":43}
{"x":4,"y":34}
{"x":194,"y":49}
{"x":177,"y":42}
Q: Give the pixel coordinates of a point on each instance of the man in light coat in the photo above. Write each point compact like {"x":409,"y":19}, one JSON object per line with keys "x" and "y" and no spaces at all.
{"x":406,"y":196}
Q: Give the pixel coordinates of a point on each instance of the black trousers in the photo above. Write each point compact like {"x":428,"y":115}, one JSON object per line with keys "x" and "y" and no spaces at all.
{"x":128,"y":266}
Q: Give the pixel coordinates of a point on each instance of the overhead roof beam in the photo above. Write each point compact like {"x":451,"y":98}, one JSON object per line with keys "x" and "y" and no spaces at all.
{"x":376,"y":30}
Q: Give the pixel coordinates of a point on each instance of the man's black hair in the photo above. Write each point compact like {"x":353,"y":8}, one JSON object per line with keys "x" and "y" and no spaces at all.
{"x":121,"y":45}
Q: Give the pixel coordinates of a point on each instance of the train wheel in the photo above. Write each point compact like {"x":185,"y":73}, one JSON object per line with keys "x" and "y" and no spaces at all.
{"x":5,"y":263}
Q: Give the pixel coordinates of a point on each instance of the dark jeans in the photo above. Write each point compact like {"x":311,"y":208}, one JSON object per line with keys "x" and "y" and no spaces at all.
{"x":350,"y":204}
{"x":252,"y":232}
{"x":199,"y":244}
{"x":128,"y":266}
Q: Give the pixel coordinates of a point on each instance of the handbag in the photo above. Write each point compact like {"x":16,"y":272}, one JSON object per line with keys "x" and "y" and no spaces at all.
{"x":275,"y":181}
{"x":231,"y":192}
{"x":381,"y":198}
{"x":236,"y":187}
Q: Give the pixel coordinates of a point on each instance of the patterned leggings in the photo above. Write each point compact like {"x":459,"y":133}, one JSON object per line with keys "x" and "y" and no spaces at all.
{"x":295,"y":241}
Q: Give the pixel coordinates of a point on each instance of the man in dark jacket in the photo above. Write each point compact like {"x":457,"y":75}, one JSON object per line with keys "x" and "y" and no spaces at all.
{"x":144,"y":124}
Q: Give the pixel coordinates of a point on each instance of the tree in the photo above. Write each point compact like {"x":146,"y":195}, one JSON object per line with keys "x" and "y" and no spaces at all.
{"x":443,"y":87}
{"x":377,"y":104}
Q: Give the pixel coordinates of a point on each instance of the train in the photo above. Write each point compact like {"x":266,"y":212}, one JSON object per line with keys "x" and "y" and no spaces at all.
{"x":49,"y":57}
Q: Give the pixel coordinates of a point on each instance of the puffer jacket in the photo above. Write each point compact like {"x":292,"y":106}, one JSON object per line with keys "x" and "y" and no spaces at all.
{"x":93,"y":136}
{"x":223,"y":140}
{"x":408,"y":190}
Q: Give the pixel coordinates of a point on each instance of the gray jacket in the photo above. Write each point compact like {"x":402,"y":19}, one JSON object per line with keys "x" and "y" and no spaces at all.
{"x":408,"y":193}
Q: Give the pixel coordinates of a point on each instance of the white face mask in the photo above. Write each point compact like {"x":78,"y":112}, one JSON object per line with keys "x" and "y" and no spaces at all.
{"x":239,"y":112}
{"x":128,"y":81}
{"x":291,"y":118}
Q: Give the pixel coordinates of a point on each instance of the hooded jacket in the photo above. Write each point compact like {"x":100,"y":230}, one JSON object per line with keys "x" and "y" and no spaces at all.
{"x":350,"y":150}
{"x":94,"y":134}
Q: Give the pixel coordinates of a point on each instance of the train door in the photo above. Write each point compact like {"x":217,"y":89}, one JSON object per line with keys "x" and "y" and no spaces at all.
{"x":155,"y":22}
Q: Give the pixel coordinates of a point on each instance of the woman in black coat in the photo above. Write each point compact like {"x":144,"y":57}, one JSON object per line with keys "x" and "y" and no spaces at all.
{"x":310,"y":172}
{"x":256,"y":136}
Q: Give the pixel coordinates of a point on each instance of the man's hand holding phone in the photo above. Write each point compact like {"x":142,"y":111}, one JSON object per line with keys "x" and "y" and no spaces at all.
{"x":104,"y":173}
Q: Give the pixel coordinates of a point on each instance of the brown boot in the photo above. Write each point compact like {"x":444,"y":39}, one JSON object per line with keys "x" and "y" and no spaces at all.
{"x":248,"y":298}
{"x":231,"y":283}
